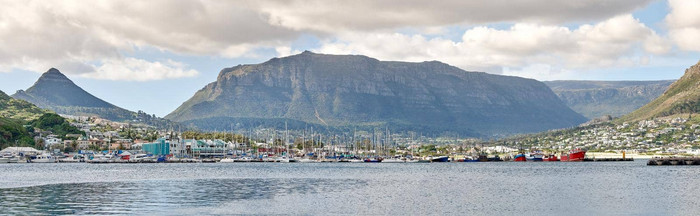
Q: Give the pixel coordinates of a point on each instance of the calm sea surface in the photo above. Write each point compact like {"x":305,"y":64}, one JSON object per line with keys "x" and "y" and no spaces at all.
{"x":506,"y":188}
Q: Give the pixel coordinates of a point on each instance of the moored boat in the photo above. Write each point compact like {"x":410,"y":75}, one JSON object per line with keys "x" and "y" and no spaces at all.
{"x":520,"y":157}
{"x":393,"y":160}
{"x":550,"y":157}
{"x":43,"y":158}
{"x":536,"y":155}
{"x":439,"y":159}
{"x":227,"y":160}
{"x":573,"y":155}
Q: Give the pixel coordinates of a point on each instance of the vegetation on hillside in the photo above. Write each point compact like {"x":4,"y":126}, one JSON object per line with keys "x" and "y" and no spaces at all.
{"x":18,"y":109}
{"x":14,"y":133}
{"x":56,"y":124}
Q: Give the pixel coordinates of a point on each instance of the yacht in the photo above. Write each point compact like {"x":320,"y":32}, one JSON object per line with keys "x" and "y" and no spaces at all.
{"x":43,"y":158}
{"x":227,"y":160}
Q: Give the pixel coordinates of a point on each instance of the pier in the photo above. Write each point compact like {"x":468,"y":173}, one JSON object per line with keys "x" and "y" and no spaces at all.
{"x":607,"y":159}
{"x":674,"y":161}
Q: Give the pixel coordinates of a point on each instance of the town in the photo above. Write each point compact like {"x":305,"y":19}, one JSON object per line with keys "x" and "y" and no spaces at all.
{"x":108,"y":141}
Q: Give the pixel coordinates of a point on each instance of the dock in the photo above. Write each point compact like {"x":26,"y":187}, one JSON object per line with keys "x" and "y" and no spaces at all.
{"x":607,"y":159}
{"x":674,"y":161}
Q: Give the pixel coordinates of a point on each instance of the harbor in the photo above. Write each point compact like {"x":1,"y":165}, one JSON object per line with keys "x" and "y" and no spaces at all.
{"x":160,"y":154}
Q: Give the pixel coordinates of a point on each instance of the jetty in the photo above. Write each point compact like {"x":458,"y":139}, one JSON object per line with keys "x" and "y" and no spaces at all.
{"x":607,"y":159}
{"x":674,"y":161}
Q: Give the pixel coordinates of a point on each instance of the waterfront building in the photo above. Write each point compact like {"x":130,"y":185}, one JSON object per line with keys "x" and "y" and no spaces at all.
{"x":209,"y":148}
{"x":159,"y":147}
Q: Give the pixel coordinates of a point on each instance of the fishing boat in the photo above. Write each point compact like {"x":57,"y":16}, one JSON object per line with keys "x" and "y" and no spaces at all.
{"x":470,"y":159}
{"x":550,"y":157}
{"x":520,"y":157}
{"x":536,"y":155}
{"x":373,"y":160}
{"x":573,"y":155}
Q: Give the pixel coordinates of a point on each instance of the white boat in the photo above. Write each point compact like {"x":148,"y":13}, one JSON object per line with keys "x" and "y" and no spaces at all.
{"x":16,"y":159}
{"x":306,"y":160}
{"x":283,"y":159}
{"x":356,"y":161}
{"x":393,"y":160}
{"x":5,"y":158}
{"x":43,"y":158}
{"x":227,"y":160}
{"x":243,"y":159}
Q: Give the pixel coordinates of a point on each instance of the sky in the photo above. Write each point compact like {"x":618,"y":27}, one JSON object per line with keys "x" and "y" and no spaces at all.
{"x":154,"y":55}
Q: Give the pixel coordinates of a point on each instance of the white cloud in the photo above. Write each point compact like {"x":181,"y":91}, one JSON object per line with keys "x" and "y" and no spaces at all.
{"x":140,"y":70}
{"x":74,"y":34}
{"x":341,"y":15}
{"x":611,"y":43}
{"x":684,"y":24}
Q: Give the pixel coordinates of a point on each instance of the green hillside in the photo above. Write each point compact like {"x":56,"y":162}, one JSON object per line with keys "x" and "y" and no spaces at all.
{"x":18,"y":109}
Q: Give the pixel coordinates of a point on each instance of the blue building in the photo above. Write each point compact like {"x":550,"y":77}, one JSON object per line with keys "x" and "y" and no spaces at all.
{"x":160,"y":147}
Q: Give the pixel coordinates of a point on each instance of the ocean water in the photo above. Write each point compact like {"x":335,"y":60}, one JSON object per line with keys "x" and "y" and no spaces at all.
{"x":502,"y":188}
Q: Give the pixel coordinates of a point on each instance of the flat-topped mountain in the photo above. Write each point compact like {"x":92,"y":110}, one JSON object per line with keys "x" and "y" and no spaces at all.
{"x":54,"y":91}
{"x":352,"y":90}
{"x":594,"y":99}
{"x":682,"y":97}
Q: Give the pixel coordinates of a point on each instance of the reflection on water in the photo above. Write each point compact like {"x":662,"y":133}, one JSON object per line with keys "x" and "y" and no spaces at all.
{"x":147,"y":197}
{"x":447,"y":188}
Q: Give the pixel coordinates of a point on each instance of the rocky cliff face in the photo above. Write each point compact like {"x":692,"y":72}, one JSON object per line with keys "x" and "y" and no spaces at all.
{"x":347,"y":90}
{"x":594,"y":99}
{"x":681,"y":97}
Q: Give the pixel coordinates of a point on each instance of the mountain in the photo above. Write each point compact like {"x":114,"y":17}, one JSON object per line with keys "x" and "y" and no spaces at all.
{"x":594,"y":99}
{"x":682,"y":97}
{"x":18,"y":109}
{"x":54,"y":91}
{"x":358,"y":91}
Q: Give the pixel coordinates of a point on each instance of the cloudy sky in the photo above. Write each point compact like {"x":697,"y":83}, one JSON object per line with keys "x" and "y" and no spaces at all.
{"x":153,"y":55}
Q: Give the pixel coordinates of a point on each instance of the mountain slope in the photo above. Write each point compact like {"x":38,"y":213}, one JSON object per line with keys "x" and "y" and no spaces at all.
{"x":348,"y":90}
{"x":18,"y":109}
{"x":616,"y":98}
{"x":56,"y":92}
{"x":683,"y":96}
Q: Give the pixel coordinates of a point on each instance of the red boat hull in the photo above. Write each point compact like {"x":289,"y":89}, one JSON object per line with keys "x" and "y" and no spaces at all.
{"x":550,"y":158}
{"x":574,"y":156}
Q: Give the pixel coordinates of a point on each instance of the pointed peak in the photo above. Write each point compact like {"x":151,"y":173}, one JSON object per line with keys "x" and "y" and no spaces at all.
{"x":53,"y":70}
{"x":53,"y":73}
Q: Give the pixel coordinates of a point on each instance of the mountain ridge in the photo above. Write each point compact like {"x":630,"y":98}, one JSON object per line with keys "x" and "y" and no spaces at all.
{"x":681,"y":97}
{"x":594,"y":99}
{"x":337,"y":90}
